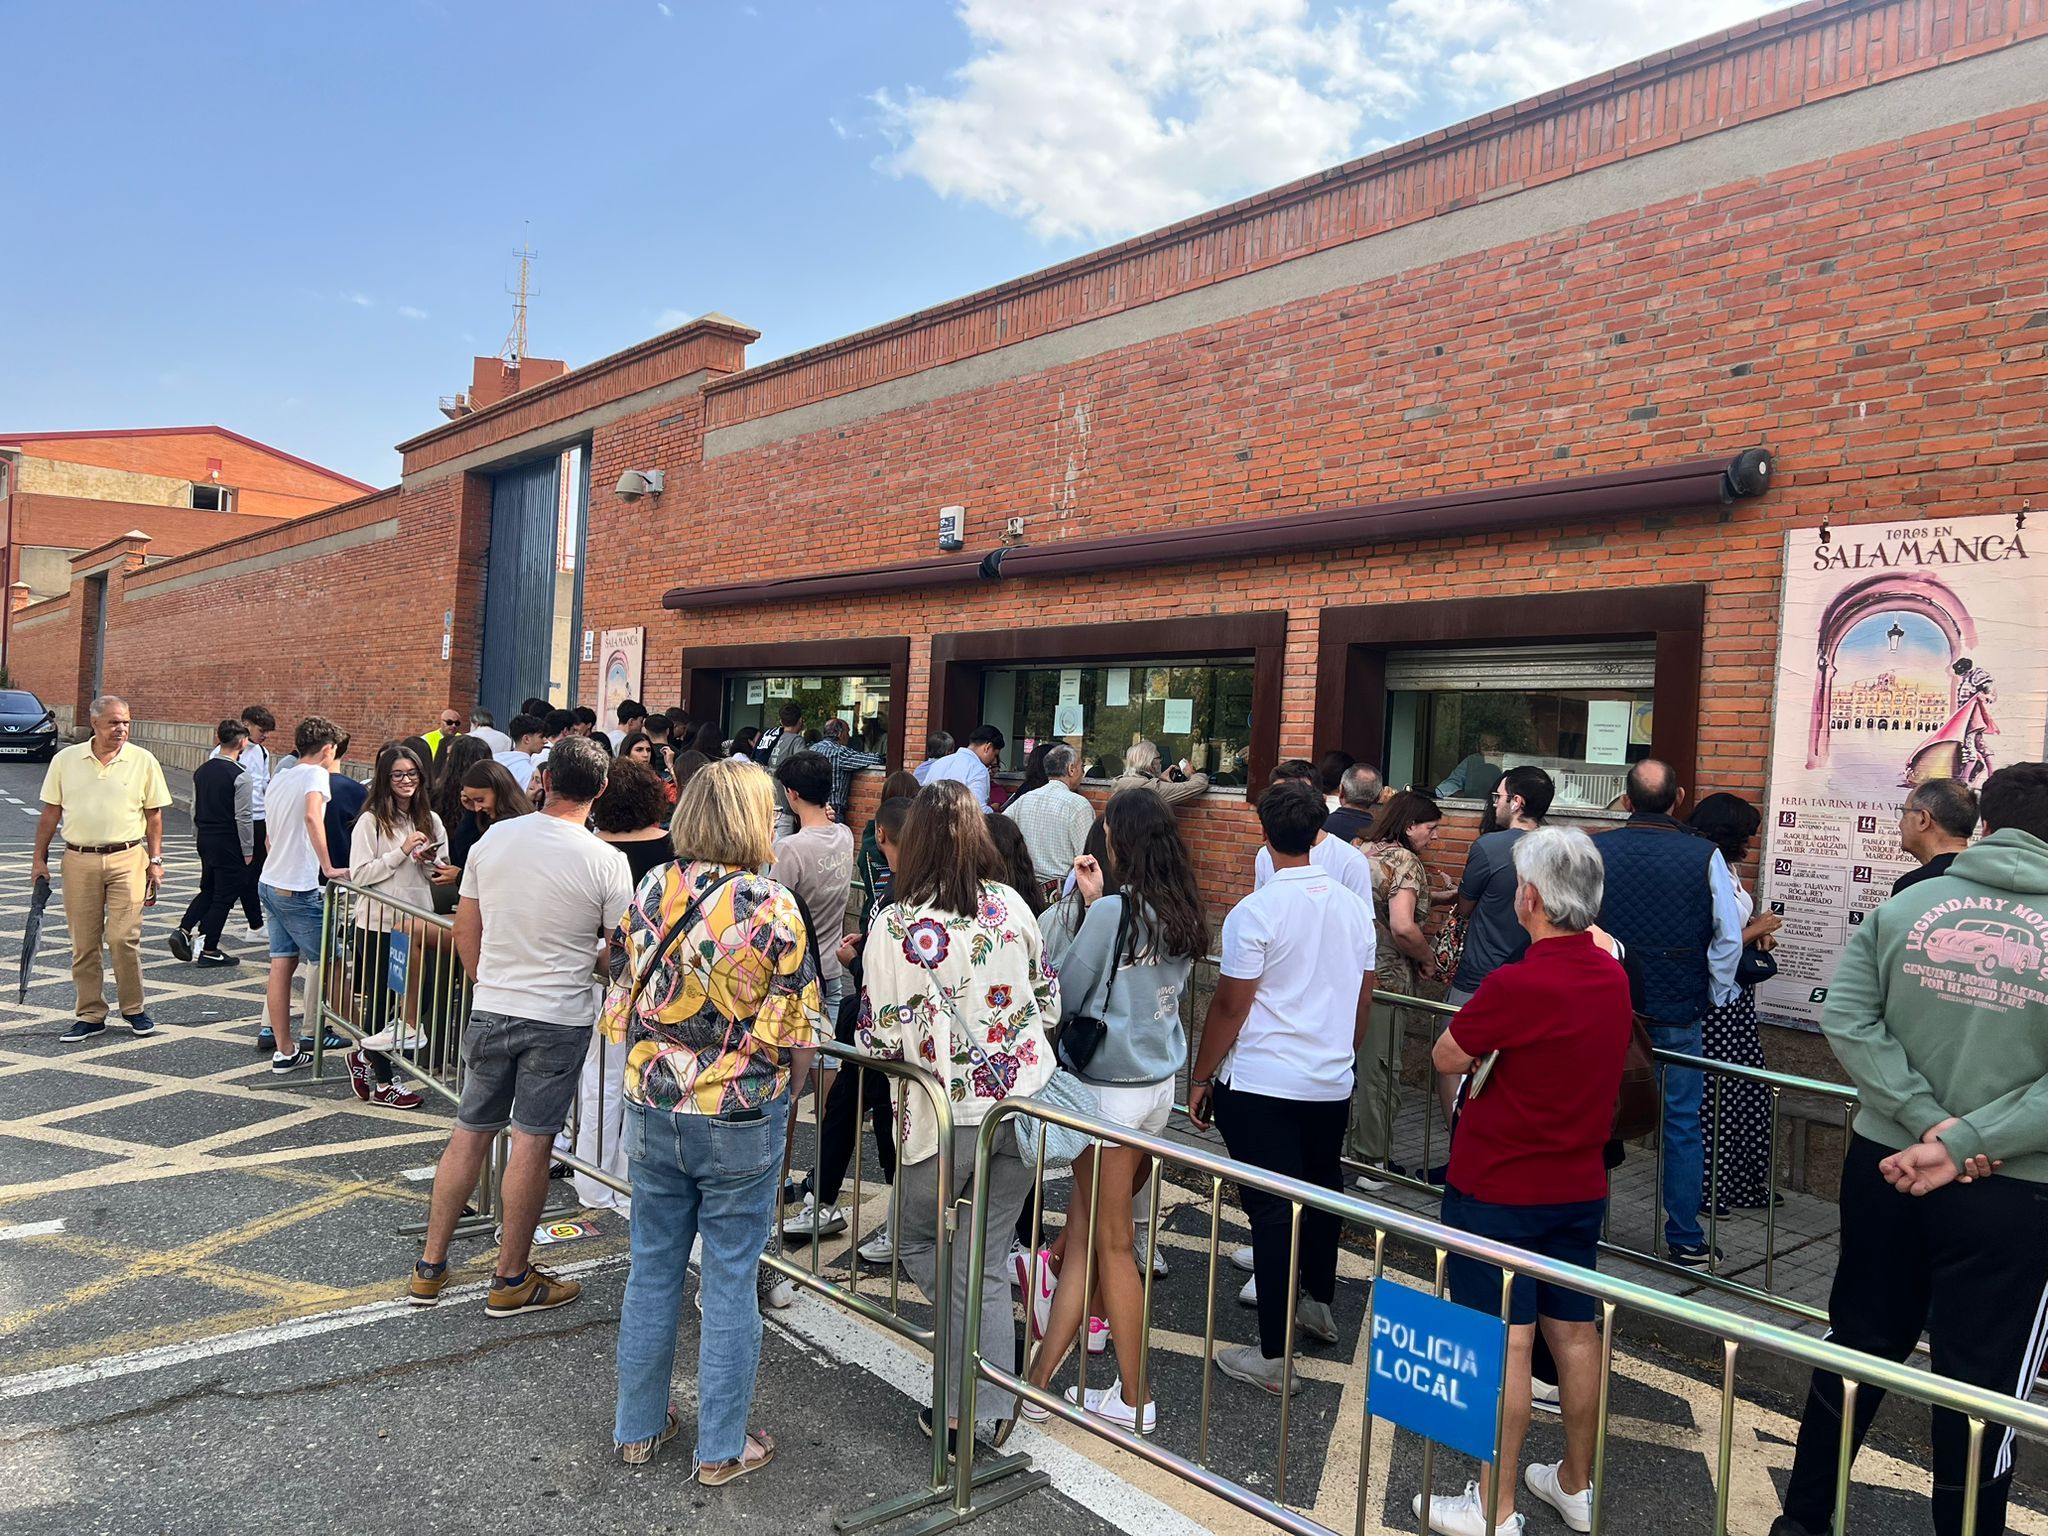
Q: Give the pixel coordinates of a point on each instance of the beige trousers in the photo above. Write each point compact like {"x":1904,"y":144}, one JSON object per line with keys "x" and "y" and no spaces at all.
{"x":103,"y":906}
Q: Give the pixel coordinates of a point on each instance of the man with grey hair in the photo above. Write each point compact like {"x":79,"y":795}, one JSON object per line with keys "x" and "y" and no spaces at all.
{"x":110,"y":795}
{"x":483,"y":725}
{"x":1142,"y":771}
{"x":835,"y":745}
{"x":1548,"y":1035}
{"x":1935,"y":825}
{"x":1055,"y":818}
{"x":1358,"y":803}
{"x":937,"y":748}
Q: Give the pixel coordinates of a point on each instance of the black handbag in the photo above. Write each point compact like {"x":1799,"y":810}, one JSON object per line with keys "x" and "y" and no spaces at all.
{"x":1755,"y":967}
{"x":1082,"y":1035}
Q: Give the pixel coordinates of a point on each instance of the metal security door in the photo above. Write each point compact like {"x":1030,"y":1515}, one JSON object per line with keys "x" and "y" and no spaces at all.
{"x":519,"y":586}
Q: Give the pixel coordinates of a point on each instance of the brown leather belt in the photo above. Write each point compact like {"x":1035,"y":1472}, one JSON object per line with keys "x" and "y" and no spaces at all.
{"x":133,"y":842}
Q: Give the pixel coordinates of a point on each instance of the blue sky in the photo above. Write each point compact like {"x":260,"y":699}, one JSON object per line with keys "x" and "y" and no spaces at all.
{"x":297,"y":218}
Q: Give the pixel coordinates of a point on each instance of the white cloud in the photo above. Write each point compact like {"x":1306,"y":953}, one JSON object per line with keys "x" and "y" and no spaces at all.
{"x":360,"y":300}
{"x":659,"y":6}
{"x":837,"y":126}
{"x":1097,"y":118}
{"x":411,"y":312}
{"x":669,"y":319}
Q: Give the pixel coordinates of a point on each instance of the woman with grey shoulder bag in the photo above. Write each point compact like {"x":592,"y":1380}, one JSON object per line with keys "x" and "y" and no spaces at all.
{"x":1121,"y":982}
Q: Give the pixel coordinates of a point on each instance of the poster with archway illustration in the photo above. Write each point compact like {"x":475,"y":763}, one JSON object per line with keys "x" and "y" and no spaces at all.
{"x":1906,"y":652}
{"x":619,"y":654}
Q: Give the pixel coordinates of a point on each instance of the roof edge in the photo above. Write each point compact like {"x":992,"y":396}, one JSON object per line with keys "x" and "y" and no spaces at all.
{"x":9,"y":439}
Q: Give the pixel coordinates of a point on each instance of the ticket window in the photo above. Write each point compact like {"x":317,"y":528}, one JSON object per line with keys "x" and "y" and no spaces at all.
{"x":1197,"y":712}
{"x":861,"y":699}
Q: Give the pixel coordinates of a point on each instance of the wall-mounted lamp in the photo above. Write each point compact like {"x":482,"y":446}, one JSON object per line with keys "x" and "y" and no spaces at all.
{"x":1825,"y":536}
{"x":635,"y":483}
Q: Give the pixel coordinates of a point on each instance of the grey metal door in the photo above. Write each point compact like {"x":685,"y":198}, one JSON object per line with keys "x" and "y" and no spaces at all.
{"x":519,"y":586}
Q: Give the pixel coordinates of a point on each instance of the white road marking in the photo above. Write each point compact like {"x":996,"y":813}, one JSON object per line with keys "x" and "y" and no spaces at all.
{"x":156,"y":1358}
{"x":31,"y":1229}
{"x":418,"y":1175}
{"x":1094,"y":1487}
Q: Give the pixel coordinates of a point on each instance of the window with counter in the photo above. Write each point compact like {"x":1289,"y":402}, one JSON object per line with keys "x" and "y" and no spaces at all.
{"x":861,"y":680}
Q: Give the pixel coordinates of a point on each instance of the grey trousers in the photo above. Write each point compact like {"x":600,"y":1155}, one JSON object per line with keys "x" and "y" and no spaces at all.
{"x":1009,"y":1187}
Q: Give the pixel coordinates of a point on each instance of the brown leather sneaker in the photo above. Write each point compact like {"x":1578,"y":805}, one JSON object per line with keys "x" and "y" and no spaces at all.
{"x":426,"y":1285}
{"x":538,"y":1292}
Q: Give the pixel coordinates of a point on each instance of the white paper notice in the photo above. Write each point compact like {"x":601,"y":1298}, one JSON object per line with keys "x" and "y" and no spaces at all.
{"x":1607,"y":730}
{"x":1069,"y":720}
{"x":757,"y":691}
{"x":1180,"y":717}
{"x":813,"y":684}
{"x":1118,"y":691}
{"x":848,"y":689}
{"x":1070,"y":687}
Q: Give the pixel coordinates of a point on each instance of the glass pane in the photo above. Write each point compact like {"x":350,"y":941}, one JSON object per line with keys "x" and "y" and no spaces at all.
{"x":1457,"y":743}
{"x":1198,"y":713}
{"x":860,"y":699}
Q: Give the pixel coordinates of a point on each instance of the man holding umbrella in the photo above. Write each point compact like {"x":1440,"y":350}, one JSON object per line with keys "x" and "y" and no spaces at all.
{"x":111,"y":796}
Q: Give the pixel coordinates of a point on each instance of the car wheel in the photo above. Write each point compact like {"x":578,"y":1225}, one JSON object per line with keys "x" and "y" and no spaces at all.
{"x":1987,"y":965}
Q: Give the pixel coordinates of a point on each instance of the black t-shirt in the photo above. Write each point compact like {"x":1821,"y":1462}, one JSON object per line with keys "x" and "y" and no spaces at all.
{"x":1938,"y":865}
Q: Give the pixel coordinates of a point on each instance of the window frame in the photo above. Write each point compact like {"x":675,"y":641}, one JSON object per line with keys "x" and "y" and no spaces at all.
{"x":1353,"y":644}
{"x":706,"y":668}
{"x":226,"y":493}
{"x":962,"y":657}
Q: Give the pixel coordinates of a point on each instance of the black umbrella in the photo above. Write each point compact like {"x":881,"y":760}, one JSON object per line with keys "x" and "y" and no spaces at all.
{"x":32,"y":932}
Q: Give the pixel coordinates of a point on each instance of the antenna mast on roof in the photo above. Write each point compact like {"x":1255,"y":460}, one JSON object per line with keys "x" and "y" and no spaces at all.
{"x":514,"y":350}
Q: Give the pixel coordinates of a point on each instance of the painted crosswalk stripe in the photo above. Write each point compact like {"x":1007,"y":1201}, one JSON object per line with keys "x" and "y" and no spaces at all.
{"x":31,"y":1229}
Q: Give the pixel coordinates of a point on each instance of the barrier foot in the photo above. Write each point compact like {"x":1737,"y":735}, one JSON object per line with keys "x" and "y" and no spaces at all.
{"x":485,"y":1224}
{"x":993,"y":1469}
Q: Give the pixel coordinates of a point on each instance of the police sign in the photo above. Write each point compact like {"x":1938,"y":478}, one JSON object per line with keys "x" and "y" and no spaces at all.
{"x":1436,"y":1367}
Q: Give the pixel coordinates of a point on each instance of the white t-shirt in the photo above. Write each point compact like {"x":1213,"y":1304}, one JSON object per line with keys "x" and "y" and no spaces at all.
{"x":550,"y":892}
{"x":1350,"y":868}
{"x":517,"y":763}
{"x":492,"y":737}
{"x":291,"y":864}
{"x":1307,"y":941}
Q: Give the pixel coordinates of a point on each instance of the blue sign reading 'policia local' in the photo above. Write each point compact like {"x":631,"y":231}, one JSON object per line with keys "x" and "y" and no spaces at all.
{"x":1436,"y":1367}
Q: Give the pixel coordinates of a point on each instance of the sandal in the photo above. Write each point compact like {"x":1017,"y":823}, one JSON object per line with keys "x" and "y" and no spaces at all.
{"x":637,"y":1453}
{"x":718,"y":1473}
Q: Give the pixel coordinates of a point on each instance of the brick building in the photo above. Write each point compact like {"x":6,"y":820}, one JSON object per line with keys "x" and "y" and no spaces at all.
{"x":1463,"y":439}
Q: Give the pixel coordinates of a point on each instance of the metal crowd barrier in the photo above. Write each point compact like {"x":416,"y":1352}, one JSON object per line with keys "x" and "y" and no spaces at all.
{"x":1981,"y":1408}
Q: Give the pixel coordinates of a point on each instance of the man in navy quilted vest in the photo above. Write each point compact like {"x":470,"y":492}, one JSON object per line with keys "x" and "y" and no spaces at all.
{"x":1671,"y":900}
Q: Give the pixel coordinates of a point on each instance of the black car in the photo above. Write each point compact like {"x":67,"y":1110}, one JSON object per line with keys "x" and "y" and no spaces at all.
{"x":27,"y":727}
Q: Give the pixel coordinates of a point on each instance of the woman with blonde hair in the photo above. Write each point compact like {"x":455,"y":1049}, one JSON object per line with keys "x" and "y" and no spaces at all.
{"x":714,"y":991}
{"x":956,"y":981}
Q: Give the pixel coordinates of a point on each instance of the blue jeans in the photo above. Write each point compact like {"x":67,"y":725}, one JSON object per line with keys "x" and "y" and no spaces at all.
{"x":294,"y":920}
{"x":1684,"y":1146}
{"x":695,"y":1175}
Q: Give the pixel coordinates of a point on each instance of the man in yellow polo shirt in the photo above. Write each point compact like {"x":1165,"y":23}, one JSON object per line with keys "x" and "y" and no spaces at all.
{"x":111,"y":796}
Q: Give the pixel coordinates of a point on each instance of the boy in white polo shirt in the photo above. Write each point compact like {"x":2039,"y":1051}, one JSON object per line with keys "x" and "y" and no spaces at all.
{"x":1275,"y":1066}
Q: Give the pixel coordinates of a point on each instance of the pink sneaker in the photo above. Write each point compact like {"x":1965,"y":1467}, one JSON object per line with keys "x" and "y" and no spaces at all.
{"x":1035,"y":1283}
{"x":1098,"y":1335}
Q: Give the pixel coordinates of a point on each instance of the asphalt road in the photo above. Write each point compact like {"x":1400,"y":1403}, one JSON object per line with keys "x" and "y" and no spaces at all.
{"x":200,"y":1330}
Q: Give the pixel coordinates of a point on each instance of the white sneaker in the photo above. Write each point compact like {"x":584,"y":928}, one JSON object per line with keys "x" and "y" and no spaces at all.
{"x":1464,"y":1515}
{"x":1241,"y":1258}
{"x":1575,"y":1509}
{"x":1249,"y":1296}
{"x":1031,"y":1412}
{"x":880,"y":1248}
{"x":1543,"y":1396}
{"x":1108,"y":1402}
{"x":1367,"y":1185}
{"x":811,"y":1221}
{"x":1098,"y":1335}
{"x":1159,"y":1270}
{"x":777,"y":1291}
{"x":1035,"y":1283}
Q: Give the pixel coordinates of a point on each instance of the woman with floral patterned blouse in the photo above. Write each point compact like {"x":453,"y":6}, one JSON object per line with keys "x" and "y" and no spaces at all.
{"x":956,"y":981}
{"x":1407,"y":824}
{"x":714,"y":991}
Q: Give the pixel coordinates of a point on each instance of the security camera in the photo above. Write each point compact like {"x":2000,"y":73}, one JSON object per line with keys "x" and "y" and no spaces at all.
{"x":635,"y":483}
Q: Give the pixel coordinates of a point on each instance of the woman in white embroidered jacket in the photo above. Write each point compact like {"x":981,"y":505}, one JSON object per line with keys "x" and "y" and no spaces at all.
{"x":956,"y":981}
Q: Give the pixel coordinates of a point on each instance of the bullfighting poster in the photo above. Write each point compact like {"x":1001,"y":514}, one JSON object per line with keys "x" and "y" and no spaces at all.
{"x":1906,"y":651}
{"x":619,"y":652}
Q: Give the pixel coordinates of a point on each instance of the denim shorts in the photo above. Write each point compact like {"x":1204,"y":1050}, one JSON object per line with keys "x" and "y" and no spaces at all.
{"x":1569,"y":1233}
{"x":293,"y":920}
{"x":519,"y":1072}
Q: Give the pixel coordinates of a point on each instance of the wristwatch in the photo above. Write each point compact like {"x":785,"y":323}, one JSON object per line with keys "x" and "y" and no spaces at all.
{"x":156,"y":863}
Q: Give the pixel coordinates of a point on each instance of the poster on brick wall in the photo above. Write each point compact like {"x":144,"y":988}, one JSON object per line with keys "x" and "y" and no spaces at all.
{"x":1906,"y":652}
{"x":619,"y":670}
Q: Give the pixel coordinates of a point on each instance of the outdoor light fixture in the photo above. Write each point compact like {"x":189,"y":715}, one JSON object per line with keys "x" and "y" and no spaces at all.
{"x":1894,"y":635}
{"x":635,"y":483}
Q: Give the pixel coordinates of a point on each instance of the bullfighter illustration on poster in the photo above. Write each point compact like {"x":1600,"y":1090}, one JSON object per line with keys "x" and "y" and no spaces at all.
{"x":1906,"y":652}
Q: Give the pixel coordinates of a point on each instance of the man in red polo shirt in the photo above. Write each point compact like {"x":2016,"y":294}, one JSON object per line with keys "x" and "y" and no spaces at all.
{"x":1526,"y":1160}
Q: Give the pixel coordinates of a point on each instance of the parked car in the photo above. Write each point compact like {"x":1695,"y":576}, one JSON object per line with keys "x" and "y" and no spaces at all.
{"x":28,"y":728}
{"x":1987,"y":944}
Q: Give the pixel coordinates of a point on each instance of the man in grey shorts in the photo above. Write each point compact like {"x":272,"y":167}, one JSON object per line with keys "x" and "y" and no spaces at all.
{"x":539,"y":894}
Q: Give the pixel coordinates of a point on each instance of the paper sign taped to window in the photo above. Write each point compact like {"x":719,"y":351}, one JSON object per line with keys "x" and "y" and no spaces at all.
{"x":1070,"y":688}
{"x":849,"y":689}
{"x":779,"y":688}
{"x":1607,"y":730}
{"x":1180,"y":717}
{"x":813,"y":684}
{"x":1069,"y":720}
{"x":757,"y":691}
{"x":1118,"y":691}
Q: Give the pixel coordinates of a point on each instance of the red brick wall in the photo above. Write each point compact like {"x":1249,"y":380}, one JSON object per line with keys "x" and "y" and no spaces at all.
{"x":267,"y":483}
{"x":76,"y":522}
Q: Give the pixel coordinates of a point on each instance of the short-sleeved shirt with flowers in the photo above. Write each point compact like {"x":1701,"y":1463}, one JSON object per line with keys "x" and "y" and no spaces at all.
{"x":713,"y":1029}
{"x":977,"y":982}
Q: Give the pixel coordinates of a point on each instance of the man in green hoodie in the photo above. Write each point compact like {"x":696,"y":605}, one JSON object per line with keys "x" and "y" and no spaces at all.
{"x":1939,"y":1013}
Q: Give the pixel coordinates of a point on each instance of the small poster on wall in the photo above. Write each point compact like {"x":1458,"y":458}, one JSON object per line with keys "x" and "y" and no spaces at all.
{"x":1607,"y":730}
{"x":1069,"y":720}
{"x":757,"y":690}
{"x":1117,"y":692}
{"x":779,"y":688}
{"x":619,"y":673}
{"x":1180,"y":717}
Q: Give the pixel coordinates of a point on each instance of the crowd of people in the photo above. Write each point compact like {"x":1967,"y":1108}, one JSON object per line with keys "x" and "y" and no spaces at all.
{"x":712,"y":911}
